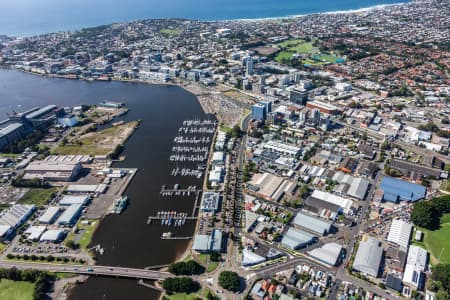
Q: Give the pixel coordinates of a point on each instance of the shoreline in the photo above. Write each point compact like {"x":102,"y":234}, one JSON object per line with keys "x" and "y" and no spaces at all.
{"x":268,"y":18}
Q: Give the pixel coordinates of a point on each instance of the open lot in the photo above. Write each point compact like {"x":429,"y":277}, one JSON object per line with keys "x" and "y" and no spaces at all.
{"x":16,"y":290}
{"x":84,"y":235}
{"x":38,"y":196}
{"x":437,"y":242}
{"x":101,"y":142}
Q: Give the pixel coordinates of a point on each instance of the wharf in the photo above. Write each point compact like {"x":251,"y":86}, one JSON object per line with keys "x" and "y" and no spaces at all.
{"x":175,"y":191}
{"x":176,"y":237}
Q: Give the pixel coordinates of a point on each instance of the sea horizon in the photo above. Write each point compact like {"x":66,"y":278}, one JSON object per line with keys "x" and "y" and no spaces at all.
{"x":36,"y":25}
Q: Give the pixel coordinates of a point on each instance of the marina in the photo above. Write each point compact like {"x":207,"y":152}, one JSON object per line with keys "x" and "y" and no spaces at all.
{"x":177,"y":191}
{"x":170,"y":236}
{"x":170,"y":218}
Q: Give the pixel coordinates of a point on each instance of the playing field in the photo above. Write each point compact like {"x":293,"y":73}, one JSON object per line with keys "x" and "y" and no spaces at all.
{"x":16,"y":290}
{"x":437,"y":242}
{"x":292,"y":47}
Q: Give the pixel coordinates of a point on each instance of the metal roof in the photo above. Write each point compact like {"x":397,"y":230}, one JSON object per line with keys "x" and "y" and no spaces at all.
{"x":368,"y":257}
{"x":399,"y":190}
{"x":312,"y":224}
{"x":296,"y":238}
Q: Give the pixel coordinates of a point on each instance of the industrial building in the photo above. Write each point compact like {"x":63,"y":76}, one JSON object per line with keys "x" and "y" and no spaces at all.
{"x":10,"y":134}
{"x":208,"y":242}
{"x":70,"y":216}
{"x":71,"y":200}
{"x":396,"y":190}
{"x":5,"y":232}
{"x":271,"y":187}
{"x":16,"y":215}
{"x":82,"y":188}
{"x":52,"y":170}
{"x":52,"y":236}
{"x":33,"y":233}
{"x":344,"y":204}
{"x":295,"y":239}
{"x":218,"y":157}
{"x":400,"y":233}
{"x":369,"y":255}
{"x":50,"y":215}
{"x":355,"y":187}
{"x":312,"y":224}
{"x":210,"y":202}
{"x":329,"y":253}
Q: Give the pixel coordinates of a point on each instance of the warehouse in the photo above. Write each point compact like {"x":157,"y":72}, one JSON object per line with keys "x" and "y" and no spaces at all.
{"x":10,"y":134}
{"x":208,"y":242}
{"x":312,"y":224}
{"x":418,"y":257}
{"x":357,"y":187}
{"x":70,"y":216}
{"x":295,"y":239}
{"x":400,"y":233}
{"x":369,"y":255}
{"x":52,"y":236}
{"x":50,"y":215}
{"x":34,"y":232}
{"x":218,"y":157}
{"x":52,"y":170}
{"x":329,"y":253}
{"x":210,"y":202}
{"x":82,"y":188}
{"x":396,"y":190}
{"x":344,"y":203}
{"x":70,"y":200}
{"x":271,"y":187}
{"x":16,"y":215}
{"x":5,"y":232}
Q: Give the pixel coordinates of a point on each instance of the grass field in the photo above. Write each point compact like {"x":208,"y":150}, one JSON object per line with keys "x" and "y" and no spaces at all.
{"x":38,"y":196}
{"x":102,"y":142}
{"x":170,"y":31}
{"x":208,"y":263}
{"x":201,"y":294}
{"x":16,"y":290}
{"x":86,"y":235}
{"x":291,"y":47}
{"x":437,"y":242}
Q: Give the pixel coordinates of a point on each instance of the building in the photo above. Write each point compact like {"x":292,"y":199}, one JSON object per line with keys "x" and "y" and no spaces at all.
{"x":329,"y":253}
{"x":5,"y":232}
{"x":396,"y":190}
{"x":210,"y":202}
{"x":68,"y":200}
{"x":10,"y":134}
{"x":282,"y":148}
{"x":33,"y":233}
{"x":295,"y":239}
{"x":16,"y":215}
{"x":82,"y":188}
{"x":357,"y":187}
{"x":298,"y":96}
{"x":52,"y":236}
{"x":70,"y":216}
{"x":249,"y":65}
{"x":50,"y":215}
{"x":369,"y":256}
{"x":68,"y":120}
{"x":259,"y":112}
{"x":344,"y":204}
{"x":312,"y":224}
{"x":52,"y":170}
{"x":208,"y":242}
{"x":218,"y":157}
{"x":325,"y":108}
{"x":400,"y":233}
{"x":250,"y":258}
{"x":270,"y":187}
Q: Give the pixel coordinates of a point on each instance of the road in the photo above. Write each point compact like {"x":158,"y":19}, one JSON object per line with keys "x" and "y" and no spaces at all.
{"x":90,"y":270}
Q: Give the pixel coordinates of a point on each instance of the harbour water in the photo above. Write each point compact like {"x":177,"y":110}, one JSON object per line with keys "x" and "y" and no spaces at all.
{"x":126,"y":238}
{"x":30,"y":17}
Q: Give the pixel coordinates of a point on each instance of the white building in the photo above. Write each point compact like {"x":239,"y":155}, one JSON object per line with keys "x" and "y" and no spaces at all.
{"x":400,"y":233}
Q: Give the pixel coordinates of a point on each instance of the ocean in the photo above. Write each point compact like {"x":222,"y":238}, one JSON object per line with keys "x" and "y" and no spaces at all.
{"x":31,"y":17}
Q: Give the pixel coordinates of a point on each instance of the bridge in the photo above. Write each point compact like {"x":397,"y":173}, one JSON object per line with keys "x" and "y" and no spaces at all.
{"x":109,"y":271}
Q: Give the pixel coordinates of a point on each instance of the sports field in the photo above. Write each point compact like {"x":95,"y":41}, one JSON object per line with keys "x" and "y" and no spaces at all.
{"x":437,"y":242}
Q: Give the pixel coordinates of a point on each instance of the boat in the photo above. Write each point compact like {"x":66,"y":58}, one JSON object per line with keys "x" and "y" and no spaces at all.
{"x":167,"y":234}
{"x":119,"y":205}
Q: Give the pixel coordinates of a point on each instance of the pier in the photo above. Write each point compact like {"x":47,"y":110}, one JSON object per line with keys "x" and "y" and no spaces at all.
{"x":176,"y":191}
{"x":171,"y":218}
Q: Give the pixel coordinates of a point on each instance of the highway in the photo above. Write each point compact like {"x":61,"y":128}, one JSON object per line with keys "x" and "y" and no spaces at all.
{"x":90,"y":270}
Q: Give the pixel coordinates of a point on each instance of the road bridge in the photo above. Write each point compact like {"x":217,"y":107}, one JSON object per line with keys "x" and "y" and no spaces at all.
{"x":109,"y":271}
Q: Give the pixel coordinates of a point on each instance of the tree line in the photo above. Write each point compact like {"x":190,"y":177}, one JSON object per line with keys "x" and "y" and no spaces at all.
{"x":42,"y":280}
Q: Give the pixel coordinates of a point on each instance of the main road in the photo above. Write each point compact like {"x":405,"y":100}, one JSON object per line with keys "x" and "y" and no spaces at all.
{"x":90,"y":270}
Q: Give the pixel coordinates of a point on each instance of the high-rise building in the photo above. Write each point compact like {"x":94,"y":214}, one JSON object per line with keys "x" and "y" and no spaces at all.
{"x":298,"y":96}
{"x":268,"y":105}
{"x":259,"y":112}
{"x":249,"y":65}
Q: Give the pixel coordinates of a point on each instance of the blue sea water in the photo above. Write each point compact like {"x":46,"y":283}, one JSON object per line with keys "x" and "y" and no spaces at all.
{"x":29,"y":17}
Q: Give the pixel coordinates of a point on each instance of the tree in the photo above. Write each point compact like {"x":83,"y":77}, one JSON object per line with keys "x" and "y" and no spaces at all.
{"x":229,"y":280}
{"x":236,"y":131}
{"x":180,"y":285}
{"x":424,"y":214}
{"x":441,"y":273}
{"x":190,"y":267}
{"x":215,"y":256}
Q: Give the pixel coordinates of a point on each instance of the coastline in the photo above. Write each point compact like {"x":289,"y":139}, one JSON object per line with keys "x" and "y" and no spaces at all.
{"x":218,"y":20}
